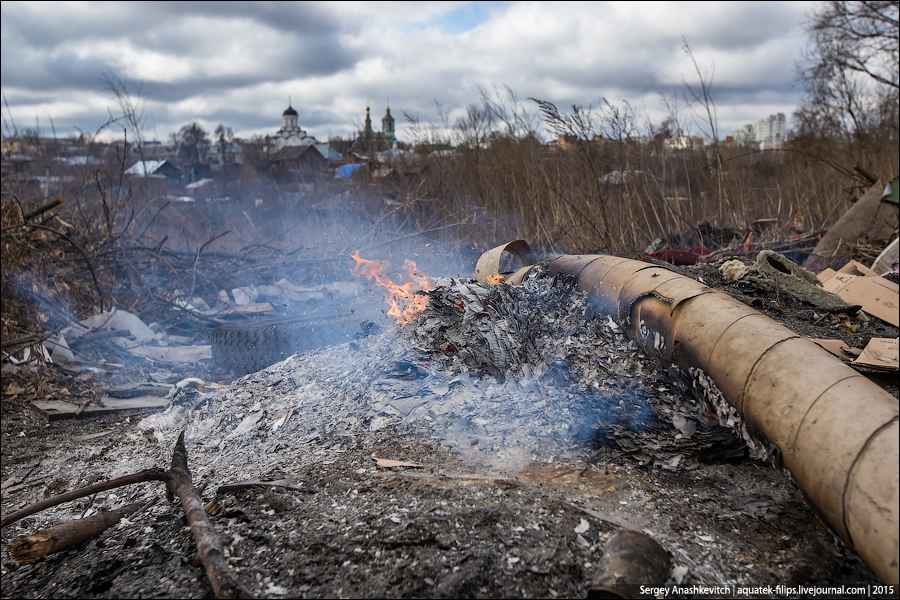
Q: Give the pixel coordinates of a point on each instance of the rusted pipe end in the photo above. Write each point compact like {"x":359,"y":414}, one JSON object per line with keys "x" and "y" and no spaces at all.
{"x":487,"y":269}
{"x":631,"y":561}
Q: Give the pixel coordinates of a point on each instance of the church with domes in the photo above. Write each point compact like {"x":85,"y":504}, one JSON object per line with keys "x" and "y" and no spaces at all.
{"x":376,"y":141}
{"x":290,"y":133}
{"x":295,"y":155}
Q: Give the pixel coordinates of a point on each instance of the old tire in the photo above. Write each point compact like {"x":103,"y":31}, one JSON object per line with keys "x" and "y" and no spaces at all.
{"x":250,"y":346}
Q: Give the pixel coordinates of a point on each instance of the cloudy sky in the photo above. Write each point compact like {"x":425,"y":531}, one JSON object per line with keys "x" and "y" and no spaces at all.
{"x":238,"y":63}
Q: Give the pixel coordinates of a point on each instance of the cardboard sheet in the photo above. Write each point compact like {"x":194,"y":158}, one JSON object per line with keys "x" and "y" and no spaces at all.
{"x":882,"y":354}
{"x":858,"y":284}
{"x":837,"y":347}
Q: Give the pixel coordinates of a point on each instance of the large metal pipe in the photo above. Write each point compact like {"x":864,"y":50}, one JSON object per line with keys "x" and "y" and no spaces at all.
{"x":839,"y":432}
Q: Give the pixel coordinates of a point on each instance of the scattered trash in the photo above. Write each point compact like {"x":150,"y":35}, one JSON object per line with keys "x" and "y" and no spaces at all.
{"x":283,"y":417}
{"x":244,"y":295}
{"x":891,"y":193}
{"x":683,"y":257}
{"x":194,"y":382}
{"x":887,"y":261}
{"x":114,"y":320}
{"x":837,"y":347}
{"x":12,"y":389}
{"x":734,"y":269}
{"x":550,"y":361}
{"x":58,"y":409}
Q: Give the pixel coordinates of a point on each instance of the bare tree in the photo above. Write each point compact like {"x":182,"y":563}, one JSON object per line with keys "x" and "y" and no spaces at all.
{"x":193,"y":142}
{"x":850,"y":72}
{"x":474,"y":129}
{"x":224,"y":136}
{"x":428,"y":136}
{"x":860,"y":37}
{"x":224,"y":132}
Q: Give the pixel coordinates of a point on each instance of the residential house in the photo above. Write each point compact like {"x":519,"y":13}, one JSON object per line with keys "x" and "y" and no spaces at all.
{"x":158,"y":169}
{"x":302,"y":163}
{"x":225,"y":153}
{"x":683,"y":142}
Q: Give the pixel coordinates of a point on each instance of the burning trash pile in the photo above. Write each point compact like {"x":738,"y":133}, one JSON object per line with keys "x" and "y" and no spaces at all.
{"x":533,"y":366}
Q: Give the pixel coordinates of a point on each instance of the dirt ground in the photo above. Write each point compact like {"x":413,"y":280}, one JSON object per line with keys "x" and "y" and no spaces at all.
{"x":473,"y":519}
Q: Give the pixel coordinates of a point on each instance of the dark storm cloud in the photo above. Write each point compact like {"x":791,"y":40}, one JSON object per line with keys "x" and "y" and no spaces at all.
{"x":40,"y":26}
{"x":51,"y":73}
{"x":289,"y":17}
{"x":745,"y":25}
{"x":40,"y":52}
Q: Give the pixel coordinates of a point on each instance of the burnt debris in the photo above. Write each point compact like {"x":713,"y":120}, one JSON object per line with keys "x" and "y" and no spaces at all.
{"x":534,"y":361}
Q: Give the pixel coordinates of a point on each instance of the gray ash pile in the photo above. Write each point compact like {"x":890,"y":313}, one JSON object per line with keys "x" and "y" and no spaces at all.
{"x":532,"y":372}
{"x":504,"y":375}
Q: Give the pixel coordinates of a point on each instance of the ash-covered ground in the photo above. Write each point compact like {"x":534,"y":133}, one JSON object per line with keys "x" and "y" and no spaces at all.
{"x":538,"y":430}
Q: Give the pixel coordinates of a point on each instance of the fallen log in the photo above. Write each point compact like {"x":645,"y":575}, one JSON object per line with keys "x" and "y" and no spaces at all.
{"x":208,"y":545}
{"x":40,"y":545}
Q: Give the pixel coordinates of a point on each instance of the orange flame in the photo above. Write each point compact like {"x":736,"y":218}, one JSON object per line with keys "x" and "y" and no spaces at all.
{"x":495,"y":278}
{"x":404,"y":300}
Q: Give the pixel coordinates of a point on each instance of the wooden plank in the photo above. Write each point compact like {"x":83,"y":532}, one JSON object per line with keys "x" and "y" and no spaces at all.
{"x":56,"y":409}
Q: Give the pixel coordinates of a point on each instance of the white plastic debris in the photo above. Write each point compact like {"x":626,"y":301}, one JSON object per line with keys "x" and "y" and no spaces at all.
{"x":244,"y":295}
{"x":172,"y":418}
{"x":115,"y":320}
{"x":246,"y":425}
{"x":59,"y":349}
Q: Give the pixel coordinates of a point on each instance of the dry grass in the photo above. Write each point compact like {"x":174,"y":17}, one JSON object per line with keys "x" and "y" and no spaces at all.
{"x":501,"y":184}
